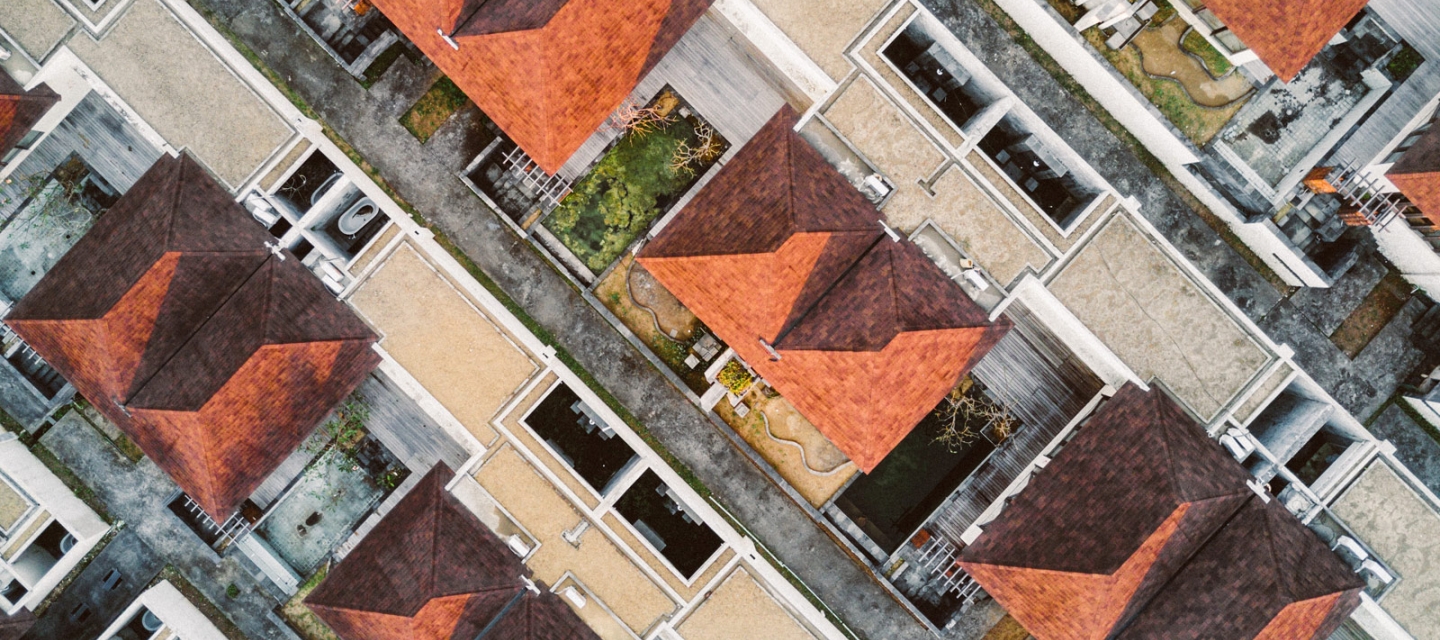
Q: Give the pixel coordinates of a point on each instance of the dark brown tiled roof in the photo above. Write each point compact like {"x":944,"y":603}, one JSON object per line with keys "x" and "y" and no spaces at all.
{"x":501,"y":16}
{"x":1097,"y":541}
{"x":1263,"y":575}
{"x":216,"y":356}
{"x":1286,"y":34}
{"x":779,"y":247}
{"x":549,"y":72}
{"x":1417,"y":174}
{"x":431,"y":570}
{"x":1128,"y":500}
{"x":20,"y":110}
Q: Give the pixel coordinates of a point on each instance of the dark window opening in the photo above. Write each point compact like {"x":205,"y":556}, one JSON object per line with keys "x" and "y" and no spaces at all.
{"x":1037,"y":171}
{"x":305,"y":187}
{"x":580,"y":437}
{"x":935,"y":73}
{"x":675,"y":530}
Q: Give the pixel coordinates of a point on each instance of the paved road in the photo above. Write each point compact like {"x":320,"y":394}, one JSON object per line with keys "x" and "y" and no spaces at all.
{"x":424,"y":176}
{"x":135,"y":494}
{"x":1303,"y":320}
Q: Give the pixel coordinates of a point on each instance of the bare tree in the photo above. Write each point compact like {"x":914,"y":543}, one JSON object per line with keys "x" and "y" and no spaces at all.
{"x":707,"y":148}
{"x":963,"y":416}
{"x":639,"y":120}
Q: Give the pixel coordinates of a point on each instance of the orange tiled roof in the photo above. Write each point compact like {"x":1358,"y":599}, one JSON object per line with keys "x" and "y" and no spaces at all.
{"x":549,"y":72}
{"x":214,"y":355}
{"x":21,"y":109}
{"x":1286,"y":34}
{"x":430,"y":570}
{"x":1417,"y":174}
{"x":779,"y":247}
{"x":1143,"y":527}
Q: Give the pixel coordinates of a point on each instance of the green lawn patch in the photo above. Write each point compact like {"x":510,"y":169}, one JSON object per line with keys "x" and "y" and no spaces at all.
{"x":432,"y":109}
{"x":1199,"y":124}
{"x":1215,"y":62}
{"x":635,"y":182}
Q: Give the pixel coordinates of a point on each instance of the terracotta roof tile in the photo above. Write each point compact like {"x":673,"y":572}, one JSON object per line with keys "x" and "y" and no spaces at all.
{"x":1417,"y":174}
{"x":548,"y":87}
{"x":1096,"y":543}
{"x":430,"y":571}
{"x":779,"y":247}
{"x":20,"y":110}
{"x":1286,"y":34}
{"x":215,"y":356}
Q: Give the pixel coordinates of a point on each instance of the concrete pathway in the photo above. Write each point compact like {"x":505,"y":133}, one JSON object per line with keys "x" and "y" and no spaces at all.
{"x":424,"y":176}
{"x":135,"y":494}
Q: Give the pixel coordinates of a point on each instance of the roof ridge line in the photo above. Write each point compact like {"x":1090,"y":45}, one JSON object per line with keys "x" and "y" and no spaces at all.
{"x":1121,"y":626}
{"x":190,"y":338}
{"x":800,"y":318}
{"x":1167,"y":419}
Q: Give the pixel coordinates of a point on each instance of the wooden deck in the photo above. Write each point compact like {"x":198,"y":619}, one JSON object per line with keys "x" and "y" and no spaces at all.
{"x":108,"y":143}
{"x":1042,"y":383}
{"x":713,"y":72}
{"x":405,"y":429}
{"x":1418,"y":22}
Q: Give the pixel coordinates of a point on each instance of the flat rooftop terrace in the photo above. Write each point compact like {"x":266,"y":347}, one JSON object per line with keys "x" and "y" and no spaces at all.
{"x":183,"y":90}
{"x":1404,"y":529}
{"x":1158,"y":319}
{"x":441,"y":336}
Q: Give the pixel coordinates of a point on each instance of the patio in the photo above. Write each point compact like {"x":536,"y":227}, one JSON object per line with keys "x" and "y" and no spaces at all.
{"x":1282,"y":132}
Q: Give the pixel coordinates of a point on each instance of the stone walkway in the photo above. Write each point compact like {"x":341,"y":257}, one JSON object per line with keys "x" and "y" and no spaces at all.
{"x":135,"y":494}
{"x":424,"y":176}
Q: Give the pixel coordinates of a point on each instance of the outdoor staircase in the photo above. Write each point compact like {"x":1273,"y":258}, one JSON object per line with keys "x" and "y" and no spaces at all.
{"x":46,"y":380}
{"x":218,"y":535}
{"x":550,"y":189}
{"x":1364,"y":203}
{"x":941,"y":560}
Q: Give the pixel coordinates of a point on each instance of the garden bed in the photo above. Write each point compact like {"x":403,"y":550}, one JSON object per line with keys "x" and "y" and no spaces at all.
{"x":663,"y":153}
{"x":431,"y":111}
{"x":682,"y":328}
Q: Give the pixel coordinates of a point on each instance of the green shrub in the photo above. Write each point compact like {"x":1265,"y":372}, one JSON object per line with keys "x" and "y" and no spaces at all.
{"x":735,"y":377}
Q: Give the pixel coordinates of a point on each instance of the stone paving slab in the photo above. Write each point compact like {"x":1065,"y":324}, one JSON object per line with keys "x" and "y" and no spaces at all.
{"x":1415,"y":445}
{"x":424,"y":175}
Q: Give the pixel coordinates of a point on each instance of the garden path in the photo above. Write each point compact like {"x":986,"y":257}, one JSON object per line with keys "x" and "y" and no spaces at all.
{"x":1163,"y":57}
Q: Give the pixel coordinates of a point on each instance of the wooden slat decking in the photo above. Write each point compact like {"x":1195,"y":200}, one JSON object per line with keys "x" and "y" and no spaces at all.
{"x":1418,"y":22}
{"x":109,"y":144}
{"x":714,"y":73}
{"x":1043,"y":384}
{"x":405,"y":429}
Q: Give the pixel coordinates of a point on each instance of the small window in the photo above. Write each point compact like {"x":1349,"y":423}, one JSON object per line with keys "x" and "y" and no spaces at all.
{"x":113,"y":580}
{"x":80,"y":613}
{"x":29,"y":140}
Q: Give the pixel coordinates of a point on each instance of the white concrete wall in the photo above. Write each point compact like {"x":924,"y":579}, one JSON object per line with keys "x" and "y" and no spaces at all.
{"x":25,"y":470}
{"x":1411,"y":255}
{"x":167,"y":603}
{"x":1118,"y":97}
